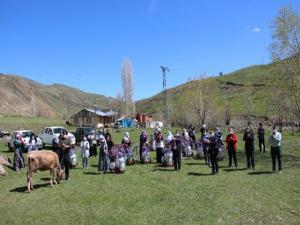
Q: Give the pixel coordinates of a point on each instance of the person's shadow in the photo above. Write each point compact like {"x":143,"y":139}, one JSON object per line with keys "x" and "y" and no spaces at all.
{"x":260,"y":172}
{"x":234,"y":169}
{"x":198,"y":174}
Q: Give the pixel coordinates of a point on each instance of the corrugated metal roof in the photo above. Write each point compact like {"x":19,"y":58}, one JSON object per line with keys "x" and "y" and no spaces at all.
{"x":102,"y":113}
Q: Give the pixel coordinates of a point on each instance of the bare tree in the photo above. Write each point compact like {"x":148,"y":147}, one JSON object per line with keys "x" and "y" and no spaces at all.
{"x":197,"y":104}
{"x":128,"y":88}
{"x":118,"y":105}
{"x":285,"y":49}
{"x":200,"y":100}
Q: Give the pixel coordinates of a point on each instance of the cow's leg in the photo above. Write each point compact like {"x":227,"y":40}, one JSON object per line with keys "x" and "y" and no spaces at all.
{"x":51,"y":177}
{"x":29,"y":181}
{"x":54,"y":176}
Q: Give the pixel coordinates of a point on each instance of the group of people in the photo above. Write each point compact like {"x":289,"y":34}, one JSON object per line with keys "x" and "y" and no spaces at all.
{"x":274,"y":141}
{"x":179,"y":143}
{"x":19,"y":146}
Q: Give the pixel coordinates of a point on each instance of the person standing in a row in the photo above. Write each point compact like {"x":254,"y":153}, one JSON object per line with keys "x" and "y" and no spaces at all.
{"x":85,"y":152}
{"x":275,"y":142}
{"x":261,"y":138}
{"x":19,"y":164}
{"x":65,"y":147}
{"x":249,"y":147}
{"x":177,"y":150}
{"x":159,"y":145}
{"x":93,"y":144}
{"x":231,"y":141}
{"x":143,"y":142}
{"x":103,"y":165}
{"x":108,"y":139}
{"x":213,"y":152}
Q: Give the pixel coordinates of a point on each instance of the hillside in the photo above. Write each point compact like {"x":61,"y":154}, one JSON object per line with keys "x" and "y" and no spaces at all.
{"x":238,"y":91}
{"x":24,"y":97}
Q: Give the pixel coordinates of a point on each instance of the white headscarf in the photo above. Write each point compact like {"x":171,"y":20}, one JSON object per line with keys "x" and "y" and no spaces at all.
{"x":169,"y":137}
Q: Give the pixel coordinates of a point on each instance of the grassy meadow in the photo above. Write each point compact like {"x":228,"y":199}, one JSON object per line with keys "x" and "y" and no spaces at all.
{"x":150,"y":194}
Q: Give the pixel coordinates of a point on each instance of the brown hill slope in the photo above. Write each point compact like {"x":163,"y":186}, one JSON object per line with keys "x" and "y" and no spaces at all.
{"x":24,"y":97}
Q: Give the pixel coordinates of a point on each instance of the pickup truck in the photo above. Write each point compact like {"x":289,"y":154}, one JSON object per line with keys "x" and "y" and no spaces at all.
{"x":26,"y":134}
{"x":49,"y":133}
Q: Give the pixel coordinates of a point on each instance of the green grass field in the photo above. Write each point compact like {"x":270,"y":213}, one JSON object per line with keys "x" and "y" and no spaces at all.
{"x":149,"y":194}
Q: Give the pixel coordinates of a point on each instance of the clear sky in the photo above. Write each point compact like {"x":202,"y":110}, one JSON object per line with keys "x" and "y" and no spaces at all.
{"x":82,"y":43}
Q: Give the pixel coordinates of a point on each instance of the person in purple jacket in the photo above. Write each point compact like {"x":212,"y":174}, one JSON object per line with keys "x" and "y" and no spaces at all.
{"x":143,"y":142}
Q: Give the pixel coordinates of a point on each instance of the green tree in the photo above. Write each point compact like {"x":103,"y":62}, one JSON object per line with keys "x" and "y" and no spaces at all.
{"x":285,"y":49}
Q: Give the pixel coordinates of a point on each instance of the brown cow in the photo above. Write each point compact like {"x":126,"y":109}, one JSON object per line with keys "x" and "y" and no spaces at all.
{"x":43,"y":160}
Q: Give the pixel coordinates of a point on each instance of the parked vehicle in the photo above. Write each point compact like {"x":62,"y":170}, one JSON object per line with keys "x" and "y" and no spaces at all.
{"x":26,"y":134}
{"x":83,"y":132}
{"x":49,"y":133}
{"x":87,"y":131}
{"x":4,"y":133}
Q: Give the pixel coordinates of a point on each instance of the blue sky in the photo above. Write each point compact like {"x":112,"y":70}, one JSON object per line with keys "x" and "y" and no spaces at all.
{"x":82,"y":43}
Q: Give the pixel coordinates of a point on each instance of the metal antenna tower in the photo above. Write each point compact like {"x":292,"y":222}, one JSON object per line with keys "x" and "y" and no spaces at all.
{"x":166,"y":105}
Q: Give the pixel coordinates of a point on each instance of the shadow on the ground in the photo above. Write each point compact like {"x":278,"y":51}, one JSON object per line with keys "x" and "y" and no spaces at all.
{"x":6,"y":151}
{"x":234,"y":169}
{"x":164,"y":169}
{"x":24,"y":188}
{"x":194,"y":163}
{"x":198,"y":174}
{"x":45,"y":178}
{"x":91,"y":173}
{"x":260,"y":172}
{"x":94,"y":166}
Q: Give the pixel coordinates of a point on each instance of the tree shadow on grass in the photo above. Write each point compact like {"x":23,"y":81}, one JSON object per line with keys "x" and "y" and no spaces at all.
{"x":234,"y":169}
{"x":24,"y":188}
{"x":260,"y":172}
{"x":198,"y":174}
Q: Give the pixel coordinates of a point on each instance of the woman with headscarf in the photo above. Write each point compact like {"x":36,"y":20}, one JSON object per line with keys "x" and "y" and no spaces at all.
{"x":205,"y":144}
{"x":103,"y":156}
{"x":186,"y":142}
{"x":168,"y":151}
{"x":126,"y":141}
{"x":177,"y":150}
{"x":32,"y":143}
{"x":159,"y":145}
{"x":143,"y":142}
{"x":18,"y":160}
{"x":85,"y":152}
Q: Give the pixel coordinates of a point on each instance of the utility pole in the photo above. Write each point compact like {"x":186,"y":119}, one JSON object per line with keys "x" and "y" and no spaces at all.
{"x":165,"y":97}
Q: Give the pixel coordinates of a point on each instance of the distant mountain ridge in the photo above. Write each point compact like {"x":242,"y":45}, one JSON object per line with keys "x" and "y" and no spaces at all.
{"x":24,"y":97}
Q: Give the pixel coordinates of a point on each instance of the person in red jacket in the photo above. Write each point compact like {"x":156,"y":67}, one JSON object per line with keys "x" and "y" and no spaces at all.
{"x":231,"y":141}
